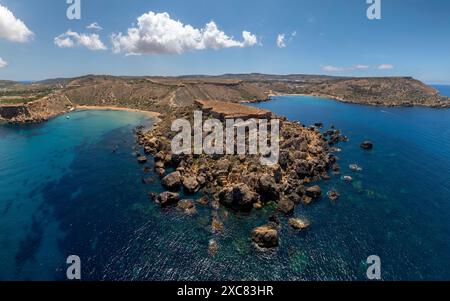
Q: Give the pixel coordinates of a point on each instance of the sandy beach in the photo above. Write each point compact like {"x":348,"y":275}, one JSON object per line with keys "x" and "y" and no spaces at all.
{"x":112,"y":108}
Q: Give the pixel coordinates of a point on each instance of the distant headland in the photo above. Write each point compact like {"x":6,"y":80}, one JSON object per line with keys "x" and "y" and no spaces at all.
{"x":38,"y":101}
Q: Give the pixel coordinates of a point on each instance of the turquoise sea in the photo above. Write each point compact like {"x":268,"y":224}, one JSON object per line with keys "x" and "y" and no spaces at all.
{"x":74,"y":187}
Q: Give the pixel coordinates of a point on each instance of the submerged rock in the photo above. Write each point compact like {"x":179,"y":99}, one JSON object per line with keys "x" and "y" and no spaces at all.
{"x":333,"y":195}
{"x":216,"y":225}
{"x":299,"y":224}
{"x":347,"y":178}
{"x":187,"y":206}
{"x":265,"y":237}
{"x":168,"y":198}
{"x":367,"y":145}
{"x":212,"y":247}
{"x":355,"y":167}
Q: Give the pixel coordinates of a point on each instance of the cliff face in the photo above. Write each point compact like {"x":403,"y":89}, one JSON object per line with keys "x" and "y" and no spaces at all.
{"x":36,"y":111}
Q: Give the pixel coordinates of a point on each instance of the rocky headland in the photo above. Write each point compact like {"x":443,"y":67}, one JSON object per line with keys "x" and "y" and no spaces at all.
{"x":240,"y":182}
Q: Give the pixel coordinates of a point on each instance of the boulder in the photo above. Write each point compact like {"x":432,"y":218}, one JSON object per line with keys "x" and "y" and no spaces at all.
{"x":268,"y":189}
{"x":190,"y":184}
{"x":286,"y":205}
{"x":223,"y":166}
{"x":239,"y":197}
{"x":142,"y":159}
{"x":299,"y":224}
{"x":314,"y":192}
{"x":168,"y":198}
{"x":367,"y":145}
{"x":172,"y":181}
{"x":159,"y":164}
{"x":265,"y":237}
{"x":160,"y":172}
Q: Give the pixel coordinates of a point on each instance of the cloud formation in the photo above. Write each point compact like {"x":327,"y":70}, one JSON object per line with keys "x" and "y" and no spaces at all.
{"x":281,"y":39}
{"x":385,"y":67}
{"x":94,"y":26}
{"x":157,"y":33}
{"x":331,"y":68}
{"x":71,"y":39}
{"x":281,"y":43}
{"x":13,"y":29}
{"x":3,"y":63}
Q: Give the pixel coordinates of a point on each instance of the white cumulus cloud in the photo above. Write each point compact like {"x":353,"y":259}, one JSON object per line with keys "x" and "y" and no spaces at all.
{"x":361,"y":67}
{"x":3,"y":63}
{"x":385,"y":67}
{"x":158,"y":33}
{"x":331,"y":68}
{"x":281,"y":40}
{"x":94,"y":26}
{"x":71,"y":39}
{"x":13,"y":29}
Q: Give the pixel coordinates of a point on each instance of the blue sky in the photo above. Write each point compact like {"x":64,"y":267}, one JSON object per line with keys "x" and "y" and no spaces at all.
{"x":332,"y":37}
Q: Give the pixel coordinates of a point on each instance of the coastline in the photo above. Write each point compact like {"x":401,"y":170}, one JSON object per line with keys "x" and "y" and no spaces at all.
{"x":354,"y":102}
{"x":113,"y":108}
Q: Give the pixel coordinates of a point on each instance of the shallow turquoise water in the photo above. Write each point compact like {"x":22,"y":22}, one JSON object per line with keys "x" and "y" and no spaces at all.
{"x":73,"y":186}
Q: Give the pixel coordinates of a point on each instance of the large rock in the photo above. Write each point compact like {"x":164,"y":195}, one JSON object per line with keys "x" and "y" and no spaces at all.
{"x":313,"y":192}
{"x":367,"y":145}
{"x":267,"y":189}
{"x":239,"y":197}
{"x":168,"y":198}
{"x":299,"y":224}
{"x":190,"y":184}
{"x":223,"y":166}
{"x":142,"y":159}
{"x":265,"y":237}
{"x":172,"y":181}
{"x":286,"y":205}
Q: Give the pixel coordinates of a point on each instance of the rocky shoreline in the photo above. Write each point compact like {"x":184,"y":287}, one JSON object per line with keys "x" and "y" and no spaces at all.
{"x":240,"y":183}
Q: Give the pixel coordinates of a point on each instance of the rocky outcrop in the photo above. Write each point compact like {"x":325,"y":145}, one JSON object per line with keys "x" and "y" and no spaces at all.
{"x":168,"y":198}
{"x":299,"y":224}
{"x":239,"y":197}
{"x":190,"y":184}
{"x":265,"y":237}
{"x":187,"y":207}
{"x":172,"y":181}
{"x":36,"y":111}
{"x":314,"y":192}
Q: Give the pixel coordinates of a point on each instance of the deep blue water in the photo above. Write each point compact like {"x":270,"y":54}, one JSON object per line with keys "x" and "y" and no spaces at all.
{"x":73,"y":186}
{"x":443,"y":89}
